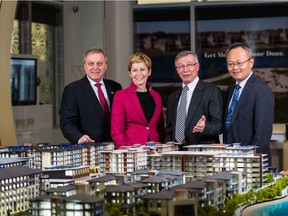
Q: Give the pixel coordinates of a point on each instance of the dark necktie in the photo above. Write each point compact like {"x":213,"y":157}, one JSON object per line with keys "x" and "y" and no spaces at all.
{"x":181,"y":116}
{"x":103,"y":102}
{"x":232,"y":106}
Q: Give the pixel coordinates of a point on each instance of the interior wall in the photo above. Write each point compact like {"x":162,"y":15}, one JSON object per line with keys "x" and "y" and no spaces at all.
{"x":83,"y":28}
{"x":118,"y":39}
{"x":104,"y":24}
{"x":7,"y":128}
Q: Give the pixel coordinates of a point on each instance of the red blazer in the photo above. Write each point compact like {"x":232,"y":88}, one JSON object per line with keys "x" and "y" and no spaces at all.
{"x":128,"y":122}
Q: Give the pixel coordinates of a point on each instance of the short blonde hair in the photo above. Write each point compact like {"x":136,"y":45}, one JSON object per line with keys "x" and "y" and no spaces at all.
{"x":139,"y":57}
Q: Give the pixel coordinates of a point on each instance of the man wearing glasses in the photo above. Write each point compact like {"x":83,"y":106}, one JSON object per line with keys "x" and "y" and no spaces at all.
{"x":194,"y":112}
{"x":249,"y":111}
{"x":86,"y":103}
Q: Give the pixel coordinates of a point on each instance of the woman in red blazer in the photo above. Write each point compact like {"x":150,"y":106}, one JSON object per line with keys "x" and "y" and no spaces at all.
{"x":137,"y":116}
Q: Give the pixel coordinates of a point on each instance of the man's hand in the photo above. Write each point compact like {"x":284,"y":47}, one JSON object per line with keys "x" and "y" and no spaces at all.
{"x":199,"y":127}
{"x":85,"y":138}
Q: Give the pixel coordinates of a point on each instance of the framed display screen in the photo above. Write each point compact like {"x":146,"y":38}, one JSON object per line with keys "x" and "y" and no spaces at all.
{"x":23,"y":79}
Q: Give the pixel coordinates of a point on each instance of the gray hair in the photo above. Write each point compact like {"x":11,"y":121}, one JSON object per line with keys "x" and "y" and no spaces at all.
{"x":94,"y":50}
{"x":185,"y":53}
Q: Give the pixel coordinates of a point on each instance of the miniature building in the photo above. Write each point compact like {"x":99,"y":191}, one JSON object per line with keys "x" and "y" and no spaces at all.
{"x":63,"y":176}
{"x":42,"y":155}
{"x":255,"y":166}
{"x":213,"y":190}
{"x":15,"y":152}
{"x":171,"y":203}
{"x":197,"y":190}
{"x":157,"y":183}
{"x":178,"y":176}
{"x":68,"y":155}
{"x":72,"y":205}
{"x":14,"y":162}
{"x":123,"y":195}
{"x":18,"y":185}
{"x":98,"y":185}
{"x":236,"y":182}
{"x":206,"y":160}
{"x":123,"y":161}
{"x":64,"y":191}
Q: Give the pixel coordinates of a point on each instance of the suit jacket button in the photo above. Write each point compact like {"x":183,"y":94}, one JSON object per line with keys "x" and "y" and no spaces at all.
{"x":147,"y":128}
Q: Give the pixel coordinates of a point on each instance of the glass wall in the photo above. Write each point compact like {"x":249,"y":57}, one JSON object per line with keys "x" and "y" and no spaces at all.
{"x":208,"y":28}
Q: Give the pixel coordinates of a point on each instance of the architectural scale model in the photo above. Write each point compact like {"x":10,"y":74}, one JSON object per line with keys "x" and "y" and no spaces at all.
{"x":65,"y":179}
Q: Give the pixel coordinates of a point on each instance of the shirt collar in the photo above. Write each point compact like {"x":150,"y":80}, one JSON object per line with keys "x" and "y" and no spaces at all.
{"x":92,"y":83}
{"x":192,"y":84}
{"x":243,"y":83}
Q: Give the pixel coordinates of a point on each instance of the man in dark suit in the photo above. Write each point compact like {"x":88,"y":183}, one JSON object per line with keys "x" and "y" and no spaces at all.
{"x":82,"y":118}
{"x":253,"y":116}
{"x":204,"y":107}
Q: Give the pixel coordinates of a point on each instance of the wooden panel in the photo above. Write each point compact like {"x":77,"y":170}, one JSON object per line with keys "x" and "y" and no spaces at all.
{"x":7,"y":130}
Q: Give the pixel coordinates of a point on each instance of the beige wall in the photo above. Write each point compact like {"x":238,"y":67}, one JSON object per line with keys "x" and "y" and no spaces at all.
{"x":83,"y":28}
{"x":118,"y":39}
{"x":104,"y":24}
{"x":7,"y":129}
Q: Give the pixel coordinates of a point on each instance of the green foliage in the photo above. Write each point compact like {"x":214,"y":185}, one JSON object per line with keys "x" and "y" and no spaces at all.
{"x":22,"y":213}
{"x":270,"y":178}
{"x":107,"y":206}
{"x":116,"y":210}
{"x":205,"y":211}
{"x":113,"y":209}
{"x":231,"y":205}
{"x":268,"y":193}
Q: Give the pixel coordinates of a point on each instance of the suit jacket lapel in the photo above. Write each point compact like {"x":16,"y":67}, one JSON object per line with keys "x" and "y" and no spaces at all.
{"x":176,"y":99}
{"x":157,"y":110}
{"x":243,"y":96}
{"x":136,"y":103}
{"x":195,"y":100}
{"x":110,"y":91}
{"x":228,"y":98}
{"x":89,"y":93}
{"x":91,"y":97}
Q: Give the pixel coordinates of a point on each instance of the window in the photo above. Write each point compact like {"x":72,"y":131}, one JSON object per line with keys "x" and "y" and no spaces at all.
{"x":263,"y":26}
{"x":161,"y":33}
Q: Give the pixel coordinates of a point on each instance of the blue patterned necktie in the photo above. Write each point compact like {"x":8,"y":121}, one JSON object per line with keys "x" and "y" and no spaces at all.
{"x":181,"y":116}
{"x":232,"y":106}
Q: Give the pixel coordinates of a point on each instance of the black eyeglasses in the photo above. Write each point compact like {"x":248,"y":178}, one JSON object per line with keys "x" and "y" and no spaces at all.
{"x":238,"y":64}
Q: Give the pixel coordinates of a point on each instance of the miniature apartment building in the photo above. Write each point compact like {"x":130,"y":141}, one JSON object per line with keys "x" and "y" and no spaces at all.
{"x":72,"y":205}
{"x":18,"y":185}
